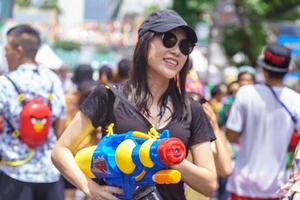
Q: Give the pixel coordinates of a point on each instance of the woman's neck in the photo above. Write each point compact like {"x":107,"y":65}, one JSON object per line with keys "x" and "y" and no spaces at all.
{"x":157,"y":87}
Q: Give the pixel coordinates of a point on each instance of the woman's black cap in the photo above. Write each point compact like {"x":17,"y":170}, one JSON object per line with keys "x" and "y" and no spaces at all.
{"x":165,"y":20}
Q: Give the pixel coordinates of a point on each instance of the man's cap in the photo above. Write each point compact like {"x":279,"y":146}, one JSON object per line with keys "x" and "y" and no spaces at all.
{"x":165,"y":20}
{"x":276,"y":58}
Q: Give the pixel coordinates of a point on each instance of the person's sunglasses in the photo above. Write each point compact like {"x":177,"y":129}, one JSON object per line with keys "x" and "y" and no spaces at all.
{"x":169,"y":40}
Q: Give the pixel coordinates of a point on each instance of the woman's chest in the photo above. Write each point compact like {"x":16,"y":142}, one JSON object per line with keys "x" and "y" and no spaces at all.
{"x":126,"y":121}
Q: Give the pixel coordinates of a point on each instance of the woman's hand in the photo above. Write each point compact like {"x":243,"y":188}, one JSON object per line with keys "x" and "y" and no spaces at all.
{"x":211,"y":116}
{"x":201,"y":173}
{"x":103,"y":192}
{"x":63,"y":158}
{"x":221,"y":147}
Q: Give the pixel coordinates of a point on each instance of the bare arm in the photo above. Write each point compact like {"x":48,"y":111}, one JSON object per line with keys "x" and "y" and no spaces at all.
{"x":59,"y":126}
{"x":201,"y":174}
{"x":221,"y":147}
{"x":63,"y":159}
{"x":232,"y":136}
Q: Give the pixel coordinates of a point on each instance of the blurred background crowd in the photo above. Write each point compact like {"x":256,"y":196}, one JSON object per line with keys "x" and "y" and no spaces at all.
{"x":91,"y":41}
{"x":101,"y":32}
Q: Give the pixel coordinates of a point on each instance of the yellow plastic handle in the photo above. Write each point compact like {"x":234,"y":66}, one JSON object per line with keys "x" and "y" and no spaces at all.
{"x":144,"y":153}
{"x":124,"y":156}
{"x":167,"y":176}
{"x":84,"y":159}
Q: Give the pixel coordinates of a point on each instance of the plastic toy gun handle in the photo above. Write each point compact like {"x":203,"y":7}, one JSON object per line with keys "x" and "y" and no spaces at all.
{"x":167,"y":176}
{"x":84,"y":160}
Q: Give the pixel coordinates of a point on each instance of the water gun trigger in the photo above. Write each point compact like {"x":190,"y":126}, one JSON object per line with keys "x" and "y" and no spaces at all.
{"x":167,"y":176}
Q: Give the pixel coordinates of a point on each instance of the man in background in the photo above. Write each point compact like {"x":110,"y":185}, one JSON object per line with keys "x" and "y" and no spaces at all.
{"x":27,"y":172}
{"x":259,"y":119}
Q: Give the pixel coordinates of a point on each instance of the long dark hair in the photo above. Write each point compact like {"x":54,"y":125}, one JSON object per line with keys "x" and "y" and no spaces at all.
{"x":139,"y":89}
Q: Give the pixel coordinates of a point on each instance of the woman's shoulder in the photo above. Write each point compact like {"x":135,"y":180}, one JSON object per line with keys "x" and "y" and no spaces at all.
{"x":194,"y":105}
{"x":196,"y":109}
{"x":193,"y":109}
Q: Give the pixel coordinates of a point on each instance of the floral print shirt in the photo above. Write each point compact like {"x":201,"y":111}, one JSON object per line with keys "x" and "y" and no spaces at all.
{"x":31,"y":80}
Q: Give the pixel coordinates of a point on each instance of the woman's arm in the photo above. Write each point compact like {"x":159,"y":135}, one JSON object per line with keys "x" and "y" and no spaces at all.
{"x":63,"y":158}
{"x":201,"y":174}
{"x":232,"y":135}
{"x":222,"y":154}
{"x":221,"y":147}
{"x":59,"y":126}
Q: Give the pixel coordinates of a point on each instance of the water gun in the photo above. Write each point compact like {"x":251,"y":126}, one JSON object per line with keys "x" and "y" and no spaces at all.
{"x":133,"y":159}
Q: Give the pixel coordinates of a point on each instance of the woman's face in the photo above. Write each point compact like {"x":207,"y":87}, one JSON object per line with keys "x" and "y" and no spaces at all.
{"x":166,"y":62}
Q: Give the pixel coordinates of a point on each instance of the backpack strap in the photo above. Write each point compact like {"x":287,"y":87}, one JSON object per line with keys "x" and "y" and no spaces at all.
{"x":134,"y":111}
{"x":16,"y":163}
{"x":14,"y":131}
{"x":21,"y":95}
{"x":293,"y":117}
{"x":50,"y":96}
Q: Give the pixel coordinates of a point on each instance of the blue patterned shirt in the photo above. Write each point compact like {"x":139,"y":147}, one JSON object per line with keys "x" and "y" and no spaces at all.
{"x":31,"y":81}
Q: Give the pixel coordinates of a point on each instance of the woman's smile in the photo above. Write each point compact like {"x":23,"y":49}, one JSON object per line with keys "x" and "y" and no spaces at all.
{"x":170,"y":62}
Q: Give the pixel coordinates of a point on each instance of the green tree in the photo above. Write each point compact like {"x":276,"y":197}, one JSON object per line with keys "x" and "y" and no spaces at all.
{"x":151,"y":8}
{"x":193,"y":10}
{"x":23,"y":3}
{"x":44,"y":4}
{"x":249,"y":35}
{"x":51,"y":4}
{"x":67,"y":45}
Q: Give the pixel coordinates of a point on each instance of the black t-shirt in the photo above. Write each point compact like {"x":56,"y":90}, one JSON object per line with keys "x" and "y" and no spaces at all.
{"x":100,"y":109}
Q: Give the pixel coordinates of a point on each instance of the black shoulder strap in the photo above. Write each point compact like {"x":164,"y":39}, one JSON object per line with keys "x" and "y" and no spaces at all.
{"x":14,"y":84}
{"x":293,"y":117}
{"x":11,"y":126}
{"x":50,"y":95}
{"x":21,"y":95}
{"x":21,"y":98}
{"x":132,"y":108}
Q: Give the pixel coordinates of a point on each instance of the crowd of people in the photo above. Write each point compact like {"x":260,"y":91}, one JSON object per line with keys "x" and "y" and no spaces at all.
{"x":238,"y":138}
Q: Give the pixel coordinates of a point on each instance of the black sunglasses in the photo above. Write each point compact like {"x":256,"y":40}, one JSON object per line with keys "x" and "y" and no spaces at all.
{"x":169,"y":40}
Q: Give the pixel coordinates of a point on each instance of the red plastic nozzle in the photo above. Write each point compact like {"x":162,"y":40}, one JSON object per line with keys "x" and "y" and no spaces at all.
{"x":171,"y":151}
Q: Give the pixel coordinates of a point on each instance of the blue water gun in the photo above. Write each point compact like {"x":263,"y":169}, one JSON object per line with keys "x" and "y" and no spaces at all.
{"x":133,"y":159}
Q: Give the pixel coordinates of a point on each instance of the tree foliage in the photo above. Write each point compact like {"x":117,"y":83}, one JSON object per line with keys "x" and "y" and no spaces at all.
{"x":51,"y":4}
{"x":252,"y":15}
{"x":193,"y":10}
{"x":44,"y":4}
{"x":23,"y":3}
{"x":248,"y":34}
{"x":67,"y":45}
{"x":151,"y":8}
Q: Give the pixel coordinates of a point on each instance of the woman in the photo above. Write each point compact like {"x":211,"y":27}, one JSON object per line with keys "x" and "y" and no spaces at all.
{"x":156,"y":88}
